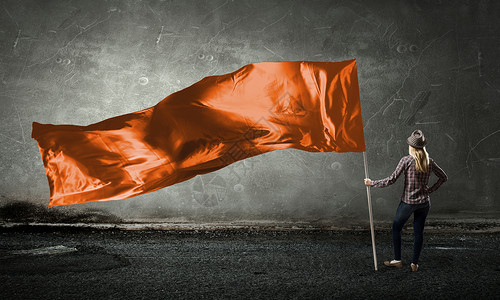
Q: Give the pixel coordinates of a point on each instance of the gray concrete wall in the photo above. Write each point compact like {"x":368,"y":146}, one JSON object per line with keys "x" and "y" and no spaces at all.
{"x":431,"y":65}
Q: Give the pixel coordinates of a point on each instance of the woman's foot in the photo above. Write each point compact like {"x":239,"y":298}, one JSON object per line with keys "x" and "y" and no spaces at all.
{"x":394,"y":263}
{"x":414,"y":267}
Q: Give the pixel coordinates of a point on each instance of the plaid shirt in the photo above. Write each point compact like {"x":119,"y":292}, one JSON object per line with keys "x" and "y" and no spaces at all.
{"x":416,"y":190}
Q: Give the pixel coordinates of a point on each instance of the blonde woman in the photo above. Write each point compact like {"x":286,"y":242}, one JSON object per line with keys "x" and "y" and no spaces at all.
{"x":415,"y":200}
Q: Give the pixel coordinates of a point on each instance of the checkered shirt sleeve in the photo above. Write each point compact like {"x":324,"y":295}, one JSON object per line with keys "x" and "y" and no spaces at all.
{"x":442,"y":177}
{"x":402,"y":165}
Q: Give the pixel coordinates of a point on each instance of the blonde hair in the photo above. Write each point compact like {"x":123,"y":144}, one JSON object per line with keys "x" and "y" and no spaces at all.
{"x":421,"y":159}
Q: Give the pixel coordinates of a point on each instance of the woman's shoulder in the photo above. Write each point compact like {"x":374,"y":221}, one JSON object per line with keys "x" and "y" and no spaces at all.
{"x":407,"y":158}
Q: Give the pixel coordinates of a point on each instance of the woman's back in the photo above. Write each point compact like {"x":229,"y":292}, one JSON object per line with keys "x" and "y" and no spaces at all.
{"x":415,"y":190}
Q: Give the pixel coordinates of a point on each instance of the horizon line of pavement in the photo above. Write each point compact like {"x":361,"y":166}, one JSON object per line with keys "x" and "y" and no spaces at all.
{"x":434,"y":225}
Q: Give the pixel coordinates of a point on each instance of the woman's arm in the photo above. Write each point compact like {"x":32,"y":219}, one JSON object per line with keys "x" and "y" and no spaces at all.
{"x":394,"y":176}
{"x":440,"y":174}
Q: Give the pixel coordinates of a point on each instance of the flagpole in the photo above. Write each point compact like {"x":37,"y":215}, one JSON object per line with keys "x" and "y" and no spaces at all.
{"x":370,"y":212}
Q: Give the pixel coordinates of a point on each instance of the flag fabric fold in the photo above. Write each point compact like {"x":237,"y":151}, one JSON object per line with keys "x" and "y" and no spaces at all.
{"x":311,"y":106}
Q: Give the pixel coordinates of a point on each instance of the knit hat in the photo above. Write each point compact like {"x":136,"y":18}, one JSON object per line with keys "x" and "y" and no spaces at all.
{"x":417,"y":139}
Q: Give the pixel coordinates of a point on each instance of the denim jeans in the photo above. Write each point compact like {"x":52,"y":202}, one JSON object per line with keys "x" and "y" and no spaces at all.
{"x":403,"y":213}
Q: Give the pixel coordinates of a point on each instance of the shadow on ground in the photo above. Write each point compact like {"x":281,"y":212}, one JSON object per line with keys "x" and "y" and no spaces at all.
{"x":18,"y":211}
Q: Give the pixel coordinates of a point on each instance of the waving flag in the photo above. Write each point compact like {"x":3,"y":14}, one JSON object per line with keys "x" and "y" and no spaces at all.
{"x":311,"y":106}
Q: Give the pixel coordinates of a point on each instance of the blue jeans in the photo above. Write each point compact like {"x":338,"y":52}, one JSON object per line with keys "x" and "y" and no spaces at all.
{"x":403,"y":213}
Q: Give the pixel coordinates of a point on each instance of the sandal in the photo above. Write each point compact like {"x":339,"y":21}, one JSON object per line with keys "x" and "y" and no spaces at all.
{"x":414,"y":267}
{"x":394,"y":263}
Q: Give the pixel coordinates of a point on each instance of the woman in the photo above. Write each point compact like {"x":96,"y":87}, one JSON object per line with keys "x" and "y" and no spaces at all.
{"x":415,"y":200}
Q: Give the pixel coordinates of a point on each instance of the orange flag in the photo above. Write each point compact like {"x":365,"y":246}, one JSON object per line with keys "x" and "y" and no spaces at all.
{"x":311,"y":106}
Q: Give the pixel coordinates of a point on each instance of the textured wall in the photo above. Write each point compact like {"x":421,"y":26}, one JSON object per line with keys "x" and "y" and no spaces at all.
{"x":431,"y":65}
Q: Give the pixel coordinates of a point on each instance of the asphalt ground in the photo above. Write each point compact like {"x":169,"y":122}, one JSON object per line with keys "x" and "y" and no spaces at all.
{"x":84,"y":263}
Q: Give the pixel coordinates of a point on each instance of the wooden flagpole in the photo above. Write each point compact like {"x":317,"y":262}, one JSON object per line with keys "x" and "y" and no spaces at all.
{"x":370,"y":213}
